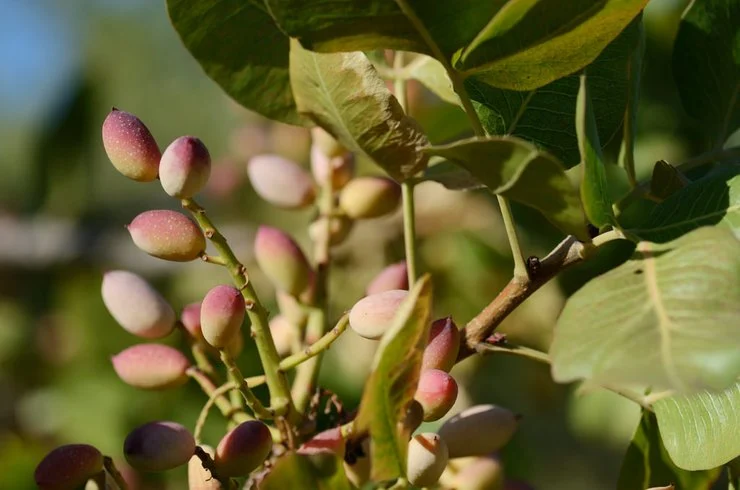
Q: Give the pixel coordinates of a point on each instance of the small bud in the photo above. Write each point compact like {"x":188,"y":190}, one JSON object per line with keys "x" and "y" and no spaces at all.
{"x":158,"y":446}
{"x":339,"y":228}
{"x":370,"y":197}
{"x":373,"y":315}
{"x":282,"y":260}
{"x":68,"y":467}
{"x":479,"y":430}
{"x":200,"y":478}
{"x":340,"y":168}
{"x":289,"y":306}
{"x":326,"y":143}
{"x":483,"y":473}
{"x":395,"y":276}
{"x":136,"y":305}
{"x":436,"y":392}
{"x":283,"y":333}
{"x":130,"y":146}
{"x":281,"y":182}
{"x":427,"y":458}
{"x":185,"y":167}
{"x":243,"y":449}
{"x":190,"y":319}
{"x":221,"y":315}
{"x":167,"y":235}
{"x":444,"y":344}
{"x":151,"y":366}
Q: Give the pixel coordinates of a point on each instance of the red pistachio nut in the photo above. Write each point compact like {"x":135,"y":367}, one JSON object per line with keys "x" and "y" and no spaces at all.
{"x":444,"y":344}
{"x":68,"y":467}
{"x":185,"y":167}
{"x":130,"y":146}
{"x":478,"y":430}
{"x":190,"y":319}
{"x":280,"y":181}
{"x":369,"y":197}
{"x":158,"y":446}
{"x":151,"y":366}
{"x":243,"y":449}
{"x":338,"y":169}
{"x":394,"y":276}
{"x":167,"y":235}
{"x":136,"y":305}
{"x":282,"y":260}
{"x":373,"y":315}
{"x":426,"y":460}
{"x":221,"y":315}
{"x":436,"y":392}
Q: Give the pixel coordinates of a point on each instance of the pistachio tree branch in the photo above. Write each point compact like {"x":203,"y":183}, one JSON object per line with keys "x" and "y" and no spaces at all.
{"x":277,"y":383}
{"x":569,"y":252}
{"x":237,"y":378}
{"x":209,"y":388}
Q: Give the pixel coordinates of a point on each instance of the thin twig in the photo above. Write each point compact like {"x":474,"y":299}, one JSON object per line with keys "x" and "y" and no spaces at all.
{"x":317,"y":347}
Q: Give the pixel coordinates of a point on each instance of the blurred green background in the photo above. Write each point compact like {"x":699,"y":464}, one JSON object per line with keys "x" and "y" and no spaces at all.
{"x":63,"y":207}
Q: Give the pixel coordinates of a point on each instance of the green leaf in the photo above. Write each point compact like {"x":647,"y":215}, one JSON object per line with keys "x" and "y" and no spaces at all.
{"x":667,"y":318}
{"x":393,"y":381}
{"x":316,"y":472}
{"x":349,"y":25}
{"x":706,"y":65}
{"x":344,"y":94}
{"x":646,"y":463}
{"x":712,"y":200}
{"x":546,"y":116}
{"x":239,"y":46}
{"x":517,"y":170}
{"x":702,"y":430}
{"x":629,"y":130}
{"x":594,"y":188}
{"x":452,"y":176}
{"x":530,"y":43}
{"x":433,"y":76}
{"x":666,"y":180}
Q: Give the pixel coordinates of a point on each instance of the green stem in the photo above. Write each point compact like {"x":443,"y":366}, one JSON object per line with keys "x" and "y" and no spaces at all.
{"x":277,"y":382}
{"x":520,"y":269}
{"x":307,"y":376}
{"x":407,"y":187}
{"x":317,"y":347}
{"x":237,"y":378}
{"x":409,"y":230}
{"x":209,"y":388}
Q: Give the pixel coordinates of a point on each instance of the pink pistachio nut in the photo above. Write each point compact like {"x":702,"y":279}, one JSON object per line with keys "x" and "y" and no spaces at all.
{"x":243,"y":449}
{"x":136,"y":305}
{"x":151,"y":366}
{"x":68,"y":467}
{"x":158,"y":446}
{"x":280,"y":181}
{"x":130,"y":146}
{"x":337,"y":170}
{"x":369,"y":197}
{"x":282,"y":260}
{"x":426,"y":459}
{"x":394,"y":276}
{"x":221,"y":315}
{"x":167,"y":235}
{"x":444,"y":344}
{"x":185,"y":167}
{"x":373,"y":315}
{"x":436,"y":392}
{"x":479,"y":430}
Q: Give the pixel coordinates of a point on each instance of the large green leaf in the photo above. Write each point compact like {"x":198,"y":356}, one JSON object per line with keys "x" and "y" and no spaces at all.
{"x":594,"y":188}
{"x":546,"y":116}
{"x":646,"y":463}
{"x":667,"y":318}
{"x":516,"y":169}
{"x":315,"y":472}
{"x":706,"y":64}
{"x":350,"y":25}
{"x":712,"y":200}
{"x":393,"y":382}
{"x":702,"y":430}
{"x":530,"y":43}
{"x":433,"y":76}
{"x":239,"y":46}
{"x":344,"y":94}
